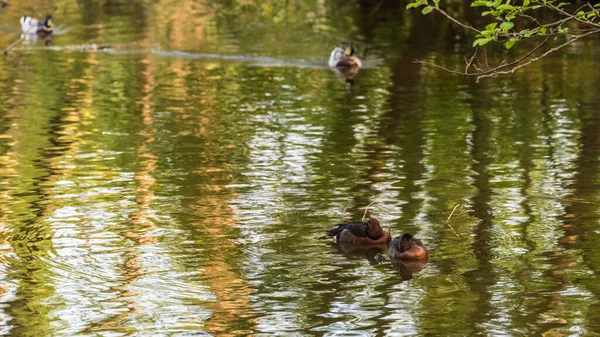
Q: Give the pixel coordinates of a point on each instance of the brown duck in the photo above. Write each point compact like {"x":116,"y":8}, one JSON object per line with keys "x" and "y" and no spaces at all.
{"x":408,"y":248}
{"x":360,"y":233}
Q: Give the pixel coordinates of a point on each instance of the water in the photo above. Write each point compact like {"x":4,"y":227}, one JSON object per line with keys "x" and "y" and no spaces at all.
{"x":180,"y":183}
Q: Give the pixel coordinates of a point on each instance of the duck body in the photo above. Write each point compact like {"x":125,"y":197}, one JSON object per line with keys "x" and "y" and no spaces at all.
{"x":344,"y":58}
{"x":31,"y":25}
{"x":360,"y":233}
{"x":408,"y":248}
{"x":341,"y":58}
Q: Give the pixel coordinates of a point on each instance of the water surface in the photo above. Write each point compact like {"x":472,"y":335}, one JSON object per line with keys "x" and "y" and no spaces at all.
{"x":181,"y":182}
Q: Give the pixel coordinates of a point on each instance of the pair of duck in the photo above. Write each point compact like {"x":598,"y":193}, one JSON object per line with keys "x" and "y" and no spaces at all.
{"x":405,"y":247}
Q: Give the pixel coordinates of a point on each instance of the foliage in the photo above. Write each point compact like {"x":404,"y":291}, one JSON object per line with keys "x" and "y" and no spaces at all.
{"x":514,"y":21}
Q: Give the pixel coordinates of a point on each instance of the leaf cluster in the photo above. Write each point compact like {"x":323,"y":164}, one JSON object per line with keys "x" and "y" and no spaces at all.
{"x":505,"y":13}
{"x":513,"y":21}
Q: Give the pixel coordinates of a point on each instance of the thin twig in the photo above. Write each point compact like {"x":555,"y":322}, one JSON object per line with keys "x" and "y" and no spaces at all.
{"x":444,"y":68}
{"x":344,"y":212}
{"x":574,"y":16}
{"x":12,"y":46}
{"x":487,"y":65}
{"x":366,"y":210}
{"x":448,"y":220}
{"x":441,"y":11}
{"x":471,"y":60}
{"x":530,"y":18}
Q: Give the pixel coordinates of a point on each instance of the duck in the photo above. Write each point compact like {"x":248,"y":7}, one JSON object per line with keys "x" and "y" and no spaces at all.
{"x":344,"y":58}
{"x":360,"y":233}
{"x":31,"y":25}
{"x":408,"y":248}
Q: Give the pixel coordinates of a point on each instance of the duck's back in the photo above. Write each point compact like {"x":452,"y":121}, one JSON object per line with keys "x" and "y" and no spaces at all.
{"x":358,"y":229}
{"x":29,"y":25}
{"x":337,"y":54}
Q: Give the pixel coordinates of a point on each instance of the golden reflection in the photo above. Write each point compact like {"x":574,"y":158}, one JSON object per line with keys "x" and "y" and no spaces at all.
{"x":186,"y":22}
{"x":233,"y":306}
{"x":41,"y":136}
{"x":132,"y":271}
{"x":232,"y":312}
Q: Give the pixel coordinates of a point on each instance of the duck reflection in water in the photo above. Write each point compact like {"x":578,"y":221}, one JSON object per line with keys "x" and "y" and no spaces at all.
{"x":408,"y":267}
{"x":35,"y":38}
{"x":369,"y":252}
{"x":344,"y":63}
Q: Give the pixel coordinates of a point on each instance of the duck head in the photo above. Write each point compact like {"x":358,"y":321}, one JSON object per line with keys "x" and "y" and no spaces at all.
{"x":374,"y":229}
{"x":405,"y":242}
{"x":349,"y":49}
{"x":48,"y":21}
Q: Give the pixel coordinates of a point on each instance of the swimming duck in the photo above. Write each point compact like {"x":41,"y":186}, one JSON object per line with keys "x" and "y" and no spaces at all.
{"x":408,"y":248}
{"x":344,"y":57}
{"x":360,"y":233}
{"x":30,"y":25}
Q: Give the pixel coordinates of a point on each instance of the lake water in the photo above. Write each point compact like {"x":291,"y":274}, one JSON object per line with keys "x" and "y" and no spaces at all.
{"x":181,"y":182}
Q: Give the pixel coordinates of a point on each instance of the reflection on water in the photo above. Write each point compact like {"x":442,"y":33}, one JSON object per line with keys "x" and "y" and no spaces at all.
{"x":368,"y":252}
{"x":183,"y":186}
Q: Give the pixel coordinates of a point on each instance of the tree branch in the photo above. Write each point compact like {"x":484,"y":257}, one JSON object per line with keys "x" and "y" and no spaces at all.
{"x":505,"y":33}
{"x":548,"y":52}
{"x":441,"y":11}
{"x":492,"y":70}
{"x":574,"y":16}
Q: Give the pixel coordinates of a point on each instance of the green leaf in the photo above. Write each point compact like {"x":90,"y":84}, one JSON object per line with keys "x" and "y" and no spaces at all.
{"x":478,"y":3}
{"x":482,"y":41}
{"x":437,"y":3}
{"x":506,"y":7}
{"x":497,"y":3}
{"x":510,"y":43}
{"x":414,"y":4}
{"x":526,"y":3}
{"x":563,"y":30}
{"x":580,"y":13}
{"x":506,"y":26}
{"x":491,"y":26}
{"x":563,"y":4}
{"x":426,"y":10}
{"x":542,"y":31}
{"x":597,"y":5}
